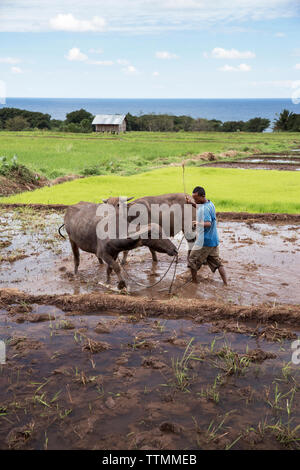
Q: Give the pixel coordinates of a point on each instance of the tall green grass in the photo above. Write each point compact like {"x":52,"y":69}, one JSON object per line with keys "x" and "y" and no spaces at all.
{"x":230,"y":189}
{"x":56,"y":154}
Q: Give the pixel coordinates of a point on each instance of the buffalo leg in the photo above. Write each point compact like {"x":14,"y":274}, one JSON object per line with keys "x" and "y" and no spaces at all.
{"x":75,"y":250}
{"x":114,"y":265}
{"x":154,"y":256}
{"x":124,"y":260}
{"x":108,"y":274}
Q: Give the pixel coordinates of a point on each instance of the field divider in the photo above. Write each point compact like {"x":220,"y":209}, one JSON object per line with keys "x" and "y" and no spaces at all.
{"x":196,"y":309}
{"x":222,"y":216}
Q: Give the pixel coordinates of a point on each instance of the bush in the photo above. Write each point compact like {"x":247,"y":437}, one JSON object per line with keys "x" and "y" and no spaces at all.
{"x":72,"y":127}
{"x":86,"y":125}
{"x":14,"y":169}
{"x":93,"y":170}
{"x":76,"y":117}
{"x":17,"y":123}
{"x":33,"y":118}
{"x":256,"y":125}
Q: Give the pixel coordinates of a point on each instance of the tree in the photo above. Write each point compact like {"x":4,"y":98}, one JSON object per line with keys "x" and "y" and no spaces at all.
{"x":17,"y":123}
{"x":232,"y":126}
{"x":86,"y":125}
{"x":284,"y":121}
{"x":33,"y":118}
{"x":43,"y":124}
{"x":56,"y":123}
{"x":77,"y":116}
{"x":256,"y":125}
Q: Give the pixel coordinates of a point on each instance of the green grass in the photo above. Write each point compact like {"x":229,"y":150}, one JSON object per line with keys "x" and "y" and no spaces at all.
{"x":55,"y":154}
{"x":230,"y":189}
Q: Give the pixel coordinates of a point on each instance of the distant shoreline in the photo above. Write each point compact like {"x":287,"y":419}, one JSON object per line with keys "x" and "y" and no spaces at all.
{"x":223,"y":109}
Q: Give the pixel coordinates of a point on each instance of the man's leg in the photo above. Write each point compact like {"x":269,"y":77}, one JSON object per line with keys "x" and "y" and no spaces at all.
{"x":194,"y":275}
{"x":197,"y":257}
{"x":223,"y":274}
{"x":215,"y":263}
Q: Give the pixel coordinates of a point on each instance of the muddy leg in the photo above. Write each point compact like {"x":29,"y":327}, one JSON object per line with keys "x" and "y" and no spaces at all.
{"x":108,"y":274}
{"x":75,"y":250}
{"x":223,"y":274}
{"x":194,"y":276}
{"x":114,"y":265}
{"x":154,"y":256}
{"x":124,"y":260}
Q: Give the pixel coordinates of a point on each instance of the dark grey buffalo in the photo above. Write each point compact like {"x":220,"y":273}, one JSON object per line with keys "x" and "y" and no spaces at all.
{"x":171,"y":221}
{"x":81,"y":223}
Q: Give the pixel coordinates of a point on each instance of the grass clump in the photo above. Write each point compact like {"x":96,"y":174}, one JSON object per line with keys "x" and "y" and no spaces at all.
{"x":12,"y":169}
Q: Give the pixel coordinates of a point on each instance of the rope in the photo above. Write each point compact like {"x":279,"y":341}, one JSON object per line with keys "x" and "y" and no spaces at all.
{"x":176,"y":256}
{"x":162,"y":277}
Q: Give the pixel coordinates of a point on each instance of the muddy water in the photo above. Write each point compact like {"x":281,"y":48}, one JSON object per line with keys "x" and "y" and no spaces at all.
{"x":261,"y":260}
{"x":103,"y":381}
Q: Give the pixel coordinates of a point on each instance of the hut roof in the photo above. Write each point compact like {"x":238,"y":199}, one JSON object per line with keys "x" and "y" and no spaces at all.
{"x":110,"y":119}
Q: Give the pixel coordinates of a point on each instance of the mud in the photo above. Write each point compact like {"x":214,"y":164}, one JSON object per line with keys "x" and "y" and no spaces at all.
{"x":261,"y":260}
{"x":143,"y":383}
{"x":245,"y":216}
{"x":284,"y":162}
{"x":207,"y":367}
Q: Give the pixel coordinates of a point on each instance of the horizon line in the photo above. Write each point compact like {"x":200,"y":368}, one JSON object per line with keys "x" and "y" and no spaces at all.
{"x":86,"y":98}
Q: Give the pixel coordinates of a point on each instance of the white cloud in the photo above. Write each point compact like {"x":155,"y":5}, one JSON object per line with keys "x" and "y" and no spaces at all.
{"x":140,"y":16}
{"x":239,"y":68}
{"x":280,"y":35}
{"x":75,"y":54}
{"x":165,"y":55}
{"x":68,"y":22}
{"x":101,"y":62}
{"x":155,"y":74}
{"x":297,"y":67}
{"x":130,"y":70}
{"x":9,"y":60}
{"x":16,"y":70}
{"x":123,"y":62}
{"x":220,"y":53}
{"x":96,"y":51}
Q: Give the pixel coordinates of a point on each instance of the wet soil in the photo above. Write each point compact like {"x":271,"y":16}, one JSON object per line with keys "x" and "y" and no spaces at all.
{"x":102,"y":380}
{"x":263,"y":162}
{"x":207,"y":367}
{"x":18,"y":184}
{"x":261,"y":260}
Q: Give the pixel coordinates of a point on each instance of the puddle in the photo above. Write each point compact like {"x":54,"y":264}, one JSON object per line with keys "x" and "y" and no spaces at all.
{"x":261,"y":260}
{"x":104,"y":381}
{"x":263,"y":160}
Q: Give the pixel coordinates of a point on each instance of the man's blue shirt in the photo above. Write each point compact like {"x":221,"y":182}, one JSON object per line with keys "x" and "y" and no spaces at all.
{"x":209,"y":236}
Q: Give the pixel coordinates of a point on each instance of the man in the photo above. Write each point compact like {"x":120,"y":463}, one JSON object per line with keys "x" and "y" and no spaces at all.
{"x":206,"y":247}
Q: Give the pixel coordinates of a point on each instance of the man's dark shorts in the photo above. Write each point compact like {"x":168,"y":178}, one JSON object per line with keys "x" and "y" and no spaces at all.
{"x":205,"y":255}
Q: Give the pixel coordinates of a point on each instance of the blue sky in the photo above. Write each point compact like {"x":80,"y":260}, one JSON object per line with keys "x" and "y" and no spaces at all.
{"x":150,"y":48}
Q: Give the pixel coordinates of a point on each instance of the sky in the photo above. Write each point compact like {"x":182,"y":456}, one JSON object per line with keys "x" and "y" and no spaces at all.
{"x":150,"y":48}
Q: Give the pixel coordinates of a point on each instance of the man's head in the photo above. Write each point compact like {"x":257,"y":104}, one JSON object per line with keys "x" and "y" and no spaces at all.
{"x":199,"y":195}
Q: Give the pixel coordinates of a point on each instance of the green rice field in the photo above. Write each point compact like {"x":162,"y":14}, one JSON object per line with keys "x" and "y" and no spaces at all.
{"x":57,"y":154}
{"x":230,"y":189}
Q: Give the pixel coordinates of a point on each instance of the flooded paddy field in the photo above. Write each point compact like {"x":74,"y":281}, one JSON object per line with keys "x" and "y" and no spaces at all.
{"x":101,"y":380}
{"x":261,"y":259}
{"x":208,"y":367}
{"x":286,"y":162}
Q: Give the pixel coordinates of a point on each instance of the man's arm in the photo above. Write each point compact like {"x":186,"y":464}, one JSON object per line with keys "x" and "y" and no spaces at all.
{"x":203,"y":224}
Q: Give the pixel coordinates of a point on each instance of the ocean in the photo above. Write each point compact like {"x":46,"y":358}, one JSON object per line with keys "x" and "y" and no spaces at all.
{"x":221,"y":109}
